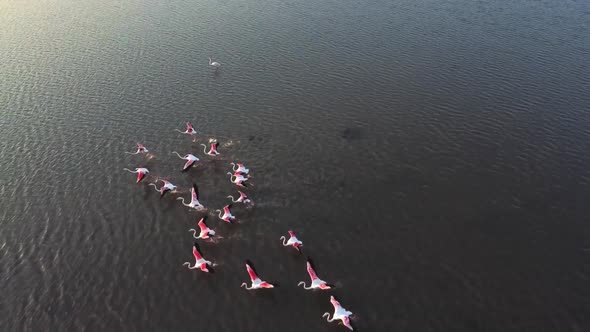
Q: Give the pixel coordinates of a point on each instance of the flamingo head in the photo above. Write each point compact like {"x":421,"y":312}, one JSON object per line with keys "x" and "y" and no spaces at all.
{"x":244,"y":285}
{"x":301,"y":283}
{"x":326,"y":314}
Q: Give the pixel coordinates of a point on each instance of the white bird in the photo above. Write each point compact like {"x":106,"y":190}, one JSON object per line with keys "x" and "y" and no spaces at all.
{"x":256,"y":282}
{"x":339,"y":313}
{"x":190,"y":159}
{"x":212,"y":151}
{"x":205,"y":233}
{"x":238,"y":180}
{"x":227,"y":216}
{"x":195,"y":204}
{"x":167,"y":186}
{"x":141,"y":172}
{"x":293,"y":241}
{"x":315,"y":281}
{"x":214,"y":63}
{"x":242,"y":199}
{"x":189,"y":129}
{"x":200,"y":262}
{"x":241,"y":168}
{"x":140,"y":149}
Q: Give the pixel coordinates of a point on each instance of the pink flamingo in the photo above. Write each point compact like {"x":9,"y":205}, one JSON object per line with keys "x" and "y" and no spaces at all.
{"x":190,"y":160}
{"x":212,"y":151}
{"x":205,"y":232}
{"x":140,"y":149}
{"x":200,"y":262}
{"x":194,"y":204}
{"x":227,"y":216}
{"x":293,"y":241}
{"x":242,"y":199}
{"x":339,"y":313}
{"x":141,"y":172}
{"x":315,"y":281}
{"x":256,"y":282}
{"x":167,"y":186}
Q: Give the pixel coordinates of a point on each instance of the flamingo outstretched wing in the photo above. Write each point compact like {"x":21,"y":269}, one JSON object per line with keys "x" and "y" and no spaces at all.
{"x":202,"y":225}
{"x":335,"y":303}
{"x":311,"y":272}
{"x":140,"y":175}
{"x":292,"y":234}
{"x":253,"y":276}
{"x":196,"y":252}
{"x":346,"y":322}
{"x":188,"y":164}
{"x":194,"y":193}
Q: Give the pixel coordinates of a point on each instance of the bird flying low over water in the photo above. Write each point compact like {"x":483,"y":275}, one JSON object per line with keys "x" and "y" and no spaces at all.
{"x":190,"y":160}
{"x":194,"y":203}
{"x":214,"y":63}
{"x":200,"y":262}
{"x":212,"y":151}
{"x":293,"y":241}
{"x":240,"y":168}
{"x":205,"y":232}
{"x":339,"y":314}
{"x":227,"y":216}
{"x":256,"y":282}
{"x":242,"y":199}
{"x":141,"y":172}
{"x":190,"y":130}
{"x":140,"y":149}
{"x":167,"y":186}
{"x":315,"y":281}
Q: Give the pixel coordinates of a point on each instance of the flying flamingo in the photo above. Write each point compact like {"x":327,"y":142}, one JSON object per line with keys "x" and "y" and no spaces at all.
{"x":141,"y":172}
{"x":167,"y":186}
{"x":238,"y":180}
{"x":339,"y":313}
{"x":242,"y":199}
{"x":293,"y":241}
{"x":227,"y":216}
{"x":241,"y":168}
{"x":214,"y":63}
{"x":256,"y":282}
{"x":200,"y":262}
{"x":195,"y":204}
{"x":190,"y":160}
{"x":212,"y":151}
{"x":189,"y":130}
{"x":205,"y":233}
{"x":140,"y":149}
{"x":315,"y":281}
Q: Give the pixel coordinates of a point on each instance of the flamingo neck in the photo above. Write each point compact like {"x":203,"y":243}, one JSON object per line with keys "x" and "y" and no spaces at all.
{"x":189,"y":265}
{"x":283,"y":239}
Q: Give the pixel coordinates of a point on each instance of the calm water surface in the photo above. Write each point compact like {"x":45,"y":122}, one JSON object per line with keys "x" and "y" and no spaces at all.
{"x":432,"y":155}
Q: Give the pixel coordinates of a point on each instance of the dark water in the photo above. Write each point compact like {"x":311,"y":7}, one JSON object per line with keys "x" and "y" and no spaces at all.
{"x":432,"y":155}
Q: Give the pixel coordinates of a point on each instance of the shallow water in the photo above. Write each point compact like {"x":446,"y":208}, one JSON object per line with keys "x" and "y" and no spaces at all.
{"x":432,"y":156}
